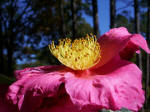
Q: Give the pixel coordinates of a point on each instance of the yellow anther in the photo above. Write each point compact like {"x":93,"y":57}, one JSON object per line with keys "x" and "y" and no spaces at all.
{"x":80,"y":54}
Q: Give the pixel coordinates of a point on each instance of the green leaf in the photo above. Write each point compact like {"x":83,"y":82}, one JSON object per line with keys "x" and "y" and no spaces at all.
{"x":105,"y":110}
{"x":122,"y":110}
{"x":125,"y":110}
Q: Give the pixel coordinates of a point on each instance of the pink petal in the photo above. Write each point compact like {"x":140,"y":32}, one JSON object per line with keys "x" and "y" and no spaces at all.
{"x":112,"y":42}
{"x":133,"y":45}
{"x":115,"y":85}
{"x":29,"y":91}
{"x":36,"y":70}
{"x":60,"y":104}
{"x":128,"y":52}
{"x":120,"y":41}
{"x":139,"y":40}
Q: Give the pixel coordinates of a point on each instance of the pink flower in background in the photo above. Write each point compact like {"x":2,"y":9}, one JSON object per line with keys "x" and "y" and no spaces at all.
{"x":92,"y":77}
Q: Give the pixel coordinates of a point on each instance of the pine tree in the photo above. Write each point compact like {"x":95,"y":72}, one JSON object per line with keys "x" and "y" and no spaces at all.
{"x":95,"y":18}
{"x":112,"y":13}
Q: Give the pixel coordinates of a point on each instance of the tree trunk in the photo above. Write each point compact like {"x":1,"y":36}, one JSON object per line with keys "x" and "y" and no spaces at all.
{"x":95,"y":18}
{"x":148,"y":57}
{"x":63,"y":29}
{"x":74,"y":17}
{"x":10,"y":41}
{"x":10,"y":49}
{"x":10,"y":58}
{"x":137,"y":30}
{"x":136,"y":15}
{"x":1,"y":45}
{"x":1,"y":52}
{"x":112,"y":13}
{"x":1,"y":55}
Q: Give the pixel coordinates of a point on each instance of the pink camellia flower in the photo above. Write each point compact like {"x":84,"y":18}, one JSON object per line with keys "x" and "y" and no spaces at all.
{"x":94,"y":75}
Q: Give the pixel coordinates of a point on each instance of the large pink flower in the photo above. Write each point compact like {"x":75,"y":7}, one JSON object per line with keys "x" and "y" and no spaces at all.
{"x":112,"y":83}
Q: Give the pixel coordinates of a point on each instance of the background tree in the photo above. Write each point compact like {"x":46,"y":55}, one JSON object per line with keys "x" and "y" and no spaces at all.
{"x":63,"y":28}
{"x":48,"y":26}
{"x":95,"y":18}
{"x":112,"y":13}
{"x":28,"y":26}
{"x":123,"y":16}
{"x":137,"y":29}
{"x":148,"y":57}
{"x":74,"y":17}
{"x":1,"y":42}
{"x":15,"y":22}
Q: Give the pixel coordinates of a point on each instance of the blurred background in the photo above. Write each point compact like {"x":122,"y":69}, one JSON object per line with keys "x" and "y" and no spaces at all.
{"x":28,"y":26}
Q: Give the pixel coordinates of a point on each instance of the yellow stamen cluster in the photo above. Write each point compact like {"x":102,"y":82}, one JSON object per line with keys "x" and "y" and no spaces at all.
{"x":80,"y":54}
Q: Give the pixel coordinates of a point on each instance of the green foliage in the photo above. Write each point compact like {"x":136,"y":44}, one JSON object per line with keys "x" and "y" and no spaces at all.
{"x":121,"y":110}
{"x":32,"y":25}
{"x":134,"y":58}
{"x":143,"y":20}
{"x":143,"y":3}
{"x":122,"y":20}
{"x":6,"y":80}
{"x":47,"y":27}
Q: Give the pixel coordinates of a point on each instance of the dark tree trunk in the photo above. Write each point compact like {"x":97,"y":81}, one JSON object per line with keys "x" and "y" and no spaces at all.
{"x":1,"y":51}
{"x":74,"y":17}
{"x":148,"y":57}
{"x":10,"y":49}
{"x":112,"y":13}
{"x":63,"y":29}
{"x":136,"y":15}
{"x":10,"y":41}
{"x":10,"y":57}
{"x":137,"y":30}
{"x":95,"y":18}
{"x":1,"y":55}
{"x":1,"y":43}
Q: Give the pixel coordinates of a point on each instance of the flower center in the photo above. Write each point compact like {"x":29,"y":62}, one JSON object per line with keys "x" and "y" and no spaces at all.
{"x":80,"y":54}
